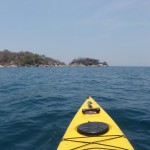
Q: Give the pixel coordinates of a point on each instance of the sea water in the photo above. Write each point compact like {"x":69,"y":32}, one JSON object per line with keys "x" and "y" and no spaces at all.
{"x":37,"y":103}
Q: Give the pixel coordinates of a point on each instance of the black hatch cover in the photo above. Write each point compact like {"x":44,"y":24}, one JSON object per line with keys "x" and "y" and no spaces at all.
{"x":93,"y":128}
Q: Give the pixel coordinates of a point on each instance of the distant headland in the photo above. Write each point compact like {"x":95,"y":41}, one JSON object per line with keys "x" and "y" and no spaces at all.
{"x":28,"y":59}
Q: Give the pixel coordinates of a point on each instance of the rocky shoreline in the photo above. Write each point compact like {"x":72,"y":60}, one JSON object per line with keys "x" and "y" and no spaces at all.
{"x":66,"y":65}
{"x":15,"y":66}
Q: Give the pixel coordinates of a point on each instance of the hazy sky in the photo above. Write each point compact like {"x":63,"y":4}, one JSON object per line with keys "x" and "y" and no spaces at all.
{"x":116,"y":31}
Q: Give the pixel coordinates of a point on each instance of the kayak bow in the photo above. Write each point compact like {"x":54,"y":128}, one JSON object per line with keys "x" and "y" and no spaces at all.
{"x":93,"y":129}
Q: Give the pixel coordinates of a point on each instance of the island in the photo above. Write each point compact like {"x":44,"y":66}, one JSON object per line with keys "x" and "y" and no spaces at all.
{"x":87,"y":62}
{"x":16,"y":59}
{"x":28,"y":59}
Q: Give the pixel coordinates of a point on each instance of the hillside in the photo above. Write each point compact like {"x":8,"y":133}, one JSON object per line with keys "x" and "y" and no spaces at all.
{"x":8,"y":58}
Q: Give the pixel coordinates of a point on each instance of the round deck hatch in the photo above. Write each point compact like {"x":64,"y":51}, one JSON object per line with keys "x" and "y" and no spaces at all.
{"x":93,"y":128}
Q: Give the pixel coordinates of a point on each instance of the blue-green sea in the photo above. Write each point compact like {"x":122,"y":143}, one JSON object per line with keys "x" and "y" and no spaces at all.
{"x":38,"y":103}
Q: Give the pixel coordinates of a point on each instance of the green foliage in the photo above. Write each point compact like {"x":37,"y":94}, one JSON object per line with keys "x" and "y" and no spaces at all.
{"x":36,"y":58}
{"x":26,"y":59}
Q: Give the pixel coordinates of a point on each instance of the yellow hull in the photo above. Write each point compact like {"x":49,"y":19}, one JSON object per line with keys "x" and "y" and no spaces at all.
{"x":113,"y":139}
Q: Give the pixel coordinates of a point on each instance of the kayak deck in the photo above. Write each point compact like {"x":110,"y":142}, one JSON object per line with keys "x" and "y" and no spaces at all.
{"x":90,"y":111}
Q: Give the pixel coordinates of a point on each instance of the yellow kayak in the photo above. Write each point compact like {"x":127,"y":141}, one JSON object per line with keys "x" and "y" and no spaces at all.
{"x":93,"y":129}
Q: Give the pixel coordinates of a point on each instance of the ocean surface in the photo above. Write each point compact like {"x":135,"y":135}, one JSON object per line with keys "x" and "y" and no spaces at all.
{"x":37,"y":104}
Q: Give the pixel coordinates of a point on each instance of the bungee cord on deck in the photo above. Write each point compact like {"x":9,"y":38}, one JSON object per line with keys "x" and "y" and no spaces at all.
{"x":86,"y":143}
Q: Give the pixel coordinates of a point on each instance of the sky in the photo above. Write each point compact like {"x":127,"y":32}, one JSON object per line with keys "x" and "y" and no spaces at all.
{"x":115,"y":31}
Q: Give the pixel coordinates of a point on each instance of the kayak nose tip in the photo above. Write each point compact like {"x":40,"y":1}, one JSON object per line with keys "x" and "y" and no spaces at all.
{"x":88,"y":97}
